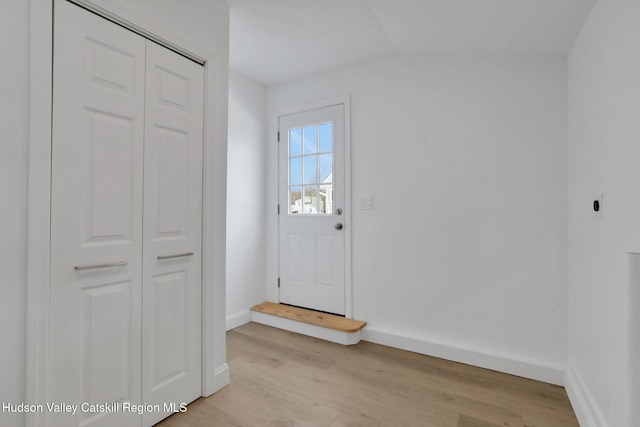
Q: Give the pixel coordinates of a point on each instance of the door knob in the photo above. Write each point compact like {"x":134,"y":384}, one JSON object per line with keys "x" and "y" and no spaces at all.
{"x":338,"y":226}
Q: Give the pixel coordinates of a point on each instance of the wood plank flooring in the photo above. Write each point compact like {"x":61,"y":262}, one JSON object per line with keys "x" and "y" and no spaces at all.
{"x":281,"y":379}
{"x":317,"y":318}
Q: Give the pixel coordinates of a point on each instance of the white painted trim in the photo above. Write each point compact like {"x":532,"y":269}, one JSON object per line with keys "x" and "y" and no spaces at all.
{"x":222,"y":377}
{"x":584,"y":405}
{"x":328,"y":102}
{"x":633,"y":328}
{"x":214,"y":348}
{"x":348,"y":300}
{"x":38,"y":208}
{"x":339,"y":337}
{"x":238,"y":319}
{"x":553,"y":374}
{"x":215,"y":371}
{"x":309,"y":106}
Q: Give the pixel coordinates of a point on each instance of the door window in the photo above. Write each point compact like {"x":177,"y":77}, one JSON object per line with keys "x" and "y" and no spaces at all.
{"x":311,"y":169}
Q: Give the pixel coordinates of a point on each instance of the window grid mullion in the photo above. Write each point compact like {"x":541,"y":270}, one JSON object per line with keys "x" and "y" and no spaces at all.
{"x":316,"y":183}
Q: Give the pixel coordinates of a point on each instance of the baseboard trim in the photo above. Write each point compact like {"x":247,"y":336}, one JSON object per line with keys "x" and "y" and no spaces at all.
{"x":221,"y":377}
{"x":339,"y":337}
{"x":584,"y":405}
{"x":553,"y":374}
{"x":238,"y":319}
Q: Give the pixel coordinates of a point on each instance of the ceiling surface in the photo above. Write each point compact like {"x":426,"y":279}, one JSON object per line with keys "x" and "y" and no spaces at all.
{"x":273,"y":41}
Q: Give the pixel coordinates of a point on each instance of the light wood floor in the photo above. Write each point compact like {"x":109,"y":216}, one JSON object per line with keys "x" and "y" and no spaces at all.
{"x":279,"y":379}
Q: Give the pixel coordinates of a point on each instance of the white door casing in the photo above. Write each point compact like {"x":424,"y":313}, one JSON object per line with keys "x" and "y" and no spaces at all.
{"x":100,"y":333}
{"x":312,"y":213}
{"x":96,"y":215}
{"x":171,"y":346}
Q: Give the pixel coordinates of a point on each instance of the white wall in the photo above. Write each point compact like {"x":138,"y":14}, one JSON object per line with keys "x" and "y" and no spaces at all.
{"x":467,"y":244}
{"x":14,"y":29}
{"x":202,"y":23}
{"x":246,"y":224}
{"x":604,"y":130}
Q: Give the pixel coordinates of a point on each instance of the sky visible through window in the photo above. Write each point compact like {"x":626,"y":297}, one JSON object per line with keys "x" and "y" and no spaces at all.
{"x":308,"y":148}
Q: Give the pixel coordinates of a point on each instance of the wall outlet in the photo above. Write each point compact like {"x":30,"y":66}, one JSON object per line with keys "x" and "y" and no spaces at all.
{"x":366,"y":203}
{"x":598,"y":205}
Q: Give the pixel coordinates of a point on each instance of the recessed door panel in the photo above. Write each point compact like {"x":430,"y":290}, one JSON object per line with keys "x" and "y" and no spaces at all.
{"x":174,"y":89}
{"x":168,"y":330}
{"x":110,"y":179}
{"x":324,"y":260}
{"x":295,"y":248}
{"x":172,"y":154}
{"x":107,"y":343}
{"x":110,"y":66}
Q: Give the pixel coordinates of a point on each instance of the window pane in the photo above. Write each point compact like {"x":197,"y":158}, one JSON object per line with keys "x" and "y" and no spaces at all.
{"x":325,"y":168}
{"x":325,"y":199}
{"x":311,"y":200}
{"x":326,"y":138}
{"x":295,"y":200}
{"x":310,"y":139}
{"x":295,"y":171}
{"x":295,"y":142}
{"x":310,"y":170}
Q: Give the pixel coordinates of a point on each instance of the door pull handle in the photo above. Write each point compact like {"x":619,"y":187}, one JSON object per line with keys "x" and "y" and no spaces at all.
{"x":162,"y":257}
{"x":96,"y":266}
{"x":338,"y":226}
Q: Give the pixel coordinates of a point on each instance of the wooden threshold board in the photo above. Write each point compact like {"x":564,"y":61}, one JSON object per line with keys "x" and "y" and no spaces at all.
{"x":324,"y":320}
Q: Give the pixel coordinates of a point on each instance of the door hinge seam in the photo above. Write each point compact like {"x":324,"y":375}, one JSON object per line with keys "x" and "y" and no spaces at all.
{"x":278,"y":136}
{"x":278,"y":283}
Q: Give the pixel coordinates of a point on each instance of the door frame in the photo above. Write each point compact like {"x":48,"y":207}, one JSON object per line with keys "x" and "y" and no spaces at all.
{"x":345,"y":101}
{"x":215,"y":372}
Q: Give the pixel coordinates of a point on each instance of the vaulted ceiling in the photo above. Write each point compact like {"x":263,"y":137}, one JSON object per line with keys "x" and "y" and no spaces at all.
{"x":279,"y":40}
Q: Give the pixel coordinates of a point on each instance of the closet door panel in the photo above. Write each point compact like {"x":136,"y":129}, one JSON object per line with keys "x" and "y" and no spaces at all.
{"x":96,"y":218}
{"x":172,"y":231}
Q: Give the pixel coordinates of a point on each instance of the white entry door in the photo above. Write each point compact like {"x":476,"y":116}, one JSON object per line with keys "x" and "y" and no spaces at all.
{"x":126,"y":198}
{"x":312,"y":209}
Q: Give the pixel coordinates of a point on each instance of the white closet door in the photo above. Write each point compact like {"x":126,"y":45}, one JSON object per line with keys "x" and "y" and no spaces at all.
{"x":171,"y":343}
{"x":96,"y":231}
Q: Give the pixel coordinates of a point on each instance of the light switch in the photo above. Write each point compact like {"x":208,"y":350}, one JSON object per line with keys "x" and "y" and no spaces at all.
{"x":366,"y":203}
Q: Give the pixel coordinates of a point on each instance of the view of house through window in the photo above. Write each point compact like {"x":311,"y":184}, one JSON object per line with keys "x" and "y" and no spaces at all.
{"x":311,"y":169}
